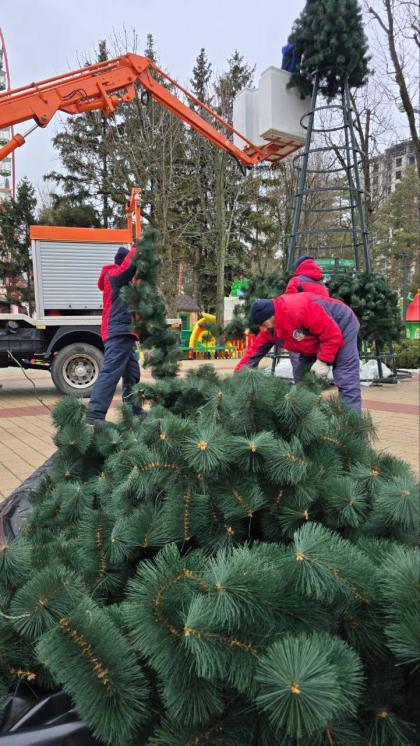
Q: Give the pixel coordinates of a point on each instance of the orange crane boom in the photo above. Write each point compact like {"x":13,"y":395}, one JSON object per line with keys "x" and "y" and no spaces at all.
{"x":105,"y":86}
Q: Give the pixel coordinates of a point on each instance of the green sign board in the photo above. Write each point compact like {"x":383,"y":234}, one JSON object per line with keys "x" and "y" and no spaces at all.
{"x":332,"y":263}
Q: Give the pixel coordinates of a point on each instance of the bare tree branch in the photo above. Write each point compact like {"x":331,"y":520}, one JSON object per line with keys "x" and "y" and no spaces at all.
{"x":393,"y":31}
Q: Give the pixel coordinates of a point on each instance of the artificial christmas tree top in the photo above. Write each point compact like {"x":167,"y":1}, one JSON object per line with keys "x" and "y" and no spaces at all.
{"x":148,"y":308}
{"x":330,"y":40}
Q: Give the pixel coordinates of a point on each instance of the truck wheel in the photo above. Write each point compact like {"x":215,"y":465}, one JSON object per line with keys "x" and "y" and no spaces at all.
{"x":75,"y":369}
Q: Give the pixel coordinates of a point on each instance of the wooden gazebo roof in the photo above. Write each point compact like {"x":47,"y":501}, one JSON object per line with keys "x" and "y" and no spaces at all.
{"x":187,"y":303}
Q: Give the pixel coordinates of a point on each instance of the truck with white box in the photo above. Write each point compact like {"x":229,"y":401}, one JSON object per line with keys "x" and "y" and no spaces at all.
{"x":64,"y":335}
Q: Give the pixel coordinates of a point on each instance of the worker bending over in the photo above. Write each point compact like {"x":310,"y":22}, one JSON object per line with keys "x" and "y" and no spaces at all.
{"x":119,"y":341}
{"x":307,"y":278}
{"x":322,"y":330}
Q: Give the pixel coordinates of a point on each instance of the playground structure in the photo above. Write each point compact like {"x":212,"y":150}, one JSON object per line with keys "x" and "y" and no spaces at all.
{"x":412,"y":324}
{"x":202,"y":343}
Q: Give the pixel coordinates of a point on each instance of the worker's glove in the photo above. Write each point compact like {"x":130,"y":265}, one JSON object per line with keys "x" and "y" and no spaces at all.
{"x":320,"y":369}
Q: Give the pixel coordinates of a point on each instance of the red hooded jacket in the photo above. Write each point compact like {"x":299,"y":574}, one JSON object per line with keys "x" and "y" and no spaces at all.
{"x":307,"y":278}
{"x":305,"y":323}
{"x":116,"y":318}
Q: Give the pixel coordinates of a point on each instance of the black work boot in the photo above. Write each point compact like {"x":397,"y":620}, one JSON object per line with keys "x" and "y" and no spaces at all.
{"x":95,"y":421}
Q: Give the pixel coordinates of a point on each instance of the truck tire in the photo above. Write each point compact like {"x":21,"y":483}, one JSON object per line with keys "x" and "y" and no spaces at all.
{"x":75,"y":369}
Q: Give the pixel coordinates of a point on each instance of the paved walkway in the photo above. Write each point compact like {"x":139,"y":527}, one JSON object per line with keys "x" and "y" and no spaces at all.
{"x":26,"y":429}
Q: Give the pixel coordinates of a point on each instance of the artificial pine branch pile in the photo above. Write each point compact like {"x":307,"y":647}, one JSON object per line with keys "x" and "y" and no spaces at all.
{"x":236,"y":567}
{"x":148,"y":308}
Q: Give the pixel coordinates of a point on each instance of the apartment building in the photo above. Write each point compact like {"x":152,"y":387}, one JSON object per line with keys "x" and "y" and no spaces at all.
{"x":388,"y":168}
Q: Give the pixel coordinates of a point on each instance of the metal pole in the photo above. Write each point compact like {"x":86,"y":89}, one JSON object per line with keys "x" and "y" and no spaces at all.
{"x":302,"y":177}
{"x":276,"y":359}
{"x":405,"y":285}
{"x":354,"y":151}
{"x":352,"y":188}
{"x":379,"y":360}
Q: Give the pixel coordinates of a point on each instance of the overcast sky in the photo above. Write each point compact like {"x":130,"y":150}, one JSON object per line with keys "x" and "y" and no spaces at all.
{"x":49,"y":37}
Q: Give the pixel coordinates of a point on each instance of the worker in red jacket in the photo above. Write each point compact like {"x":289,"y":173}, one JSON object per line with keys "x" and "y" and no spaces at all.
{"x":119,"y":341}
{"x":322,"y":330}
{"x":307,"y":278}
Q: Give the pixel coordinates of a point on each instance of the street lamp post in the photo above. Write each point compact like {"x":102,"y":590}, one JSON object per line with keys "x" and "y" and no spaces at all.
{"x":404,"y":256}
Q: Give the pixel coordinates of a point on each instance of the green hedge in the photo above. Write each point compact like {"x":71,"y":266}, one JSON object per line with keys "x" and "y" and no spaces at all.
{"x":408,"y":353}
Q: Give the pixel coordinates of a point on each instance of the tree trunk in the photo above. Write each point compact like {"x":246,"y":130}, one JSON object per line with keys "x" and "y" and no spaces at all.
{"x":196,"y":285}
{"x":366,"y":171}
{"x":105,"y":200}
{"x":399,"y":74}
{"x":169,"y":284}
{"x":220,"y":240}
{"x":180,"y":277}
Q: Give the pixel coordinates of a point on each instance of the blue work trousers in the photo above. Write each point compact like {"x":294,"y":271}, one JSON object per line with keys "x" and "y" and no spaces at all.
{"x":346,"y":368}
{"x":119,"y":362}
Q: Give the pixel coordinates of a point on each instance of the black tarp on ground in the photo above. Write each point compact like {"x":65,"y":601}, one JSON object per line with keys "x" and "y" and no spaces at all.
{"x":32,"y":718}
{"x":16,"y":507}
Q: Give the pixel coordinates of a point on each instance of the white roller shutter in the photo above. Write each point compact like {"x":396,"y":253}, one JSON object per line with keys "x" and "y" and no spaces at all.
{"x":67,"y":273}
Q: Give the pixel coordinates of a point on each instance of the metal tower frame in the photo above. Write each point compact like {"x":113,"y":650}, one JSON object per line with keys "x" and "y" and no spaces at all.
{"x":346,"y":182}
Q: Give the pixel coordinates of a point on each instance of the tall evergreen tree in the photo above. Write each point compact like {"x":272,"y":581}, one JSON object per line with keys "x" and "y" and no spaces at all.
{"x":66,"y":210}
{"x":150,"y":48}
{"x":396,"y":227}
{"x":16,"y":217}
{"x":259,"y":228}
{"x":223,"y":200}
{"x":229,"y":187}
{"x":148,"y":150}
{"x":201,"y":77}
{"x":84,"y":148}
{"x":238,"y":76}
{"x":199,"y":163}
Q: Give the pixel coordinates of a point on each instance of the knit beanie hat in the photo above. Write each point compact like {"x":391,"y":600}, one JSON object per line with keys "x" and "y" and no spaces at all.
{"x":261,"y":310}
{"x":299,"y":261}
{"x":120,"y":255}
